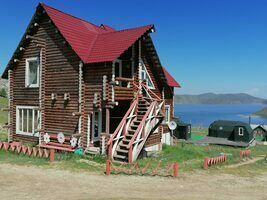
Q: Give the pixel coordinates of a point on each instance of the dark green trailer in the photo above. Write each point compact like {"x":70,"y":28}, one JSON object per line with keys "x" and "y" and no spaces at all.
{"x":183,"y":130}
{"x":232,"y":130}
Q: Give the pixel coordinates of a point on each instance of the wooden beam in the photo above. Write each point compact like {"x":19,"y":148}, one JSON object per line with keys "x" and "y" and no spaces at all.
{"x":77,"y":113}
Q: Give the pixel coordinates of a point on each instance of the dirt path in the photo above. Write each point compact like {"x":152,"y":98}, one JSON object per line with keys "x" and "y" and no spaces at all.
{"x":250,"y":161}
{"x":20,"y":182}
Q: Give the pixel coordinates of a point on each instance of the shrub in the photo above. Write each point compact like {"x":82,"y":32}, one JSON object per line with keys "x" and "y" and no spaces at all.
{"x":3,"y":93}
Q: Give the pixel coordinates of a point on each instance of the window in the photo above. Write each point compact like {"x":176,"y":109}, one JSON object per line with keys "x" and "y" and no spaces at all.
{"x":32,"y":72}
{"x":240,"y":131}
{"x":145,"y":76}
{"x":28,"y":120}
{"x":167,"y":114}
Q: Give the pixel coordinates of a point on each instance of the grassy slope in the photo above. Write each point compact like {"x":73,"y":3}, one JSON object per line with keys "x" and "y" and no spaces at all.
{"x":3,"y":118}
{"x":190,"y":156}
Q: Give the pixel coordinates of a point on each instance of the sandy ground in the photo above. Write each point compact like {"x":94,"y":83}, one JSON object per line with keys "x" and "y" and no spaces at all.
{"x":21,"y":182}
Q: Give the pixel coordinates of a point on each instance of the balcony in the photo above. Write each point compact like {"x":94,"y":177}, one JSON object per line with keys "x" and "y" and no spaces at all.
{"x":124,"y":90}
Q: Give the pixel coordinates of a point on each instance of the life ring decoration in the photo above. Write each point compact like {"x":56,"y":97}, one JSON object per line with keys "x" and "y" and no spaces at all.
{"x":61,"y":138}
{"x":73,"y":142}
{"x":46,"y":137}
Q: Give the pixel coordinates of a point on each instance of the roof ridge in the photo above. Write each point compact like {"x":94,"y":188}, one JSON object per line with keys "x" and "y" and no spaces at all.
{"x":96,"y":26}
{"x":128,"y":29}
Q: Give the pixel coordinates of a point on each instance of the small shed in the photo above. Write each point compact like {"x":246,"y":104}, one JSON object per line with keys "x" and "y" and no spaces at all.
{"x":183,"y":130}
{"x":259,"y":131}
{"x":232,"y":130}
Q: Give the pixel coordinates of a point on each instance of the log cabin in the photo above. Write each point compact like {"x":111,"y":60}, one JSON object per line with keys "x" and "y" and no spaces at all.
{"x":73,"y":84}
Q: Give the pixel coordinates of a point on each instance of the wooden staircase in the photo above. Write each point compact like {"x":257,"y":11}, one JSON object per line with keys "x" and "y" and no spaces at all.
{"x":142,"y":119}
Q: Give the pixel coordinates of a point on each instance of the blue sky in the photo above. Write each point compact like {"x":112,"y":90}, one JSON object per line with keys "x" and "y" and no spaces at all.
{"x":208,"y":46}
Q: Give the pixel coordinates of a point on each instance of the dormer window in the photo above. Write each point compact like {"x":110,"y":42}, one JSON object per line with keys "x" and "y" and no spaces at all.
{"x":32,"y":73}
{"x":145,"y":76}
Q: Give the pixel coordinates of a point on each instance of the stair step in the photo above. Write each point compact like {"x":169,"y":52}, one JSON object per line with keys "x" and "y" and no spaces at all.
{"x":122,"y":150}
{"x":128,"y":136}
{"x":124,"y":140}
{"x":143,"y":102}
{"x":120,"y":157}
{"x":131,"y":131}
{"x":142,"y":109}
{"x":141,"y":112}
{"x":137,"y":122}
{"x":123,"y":145}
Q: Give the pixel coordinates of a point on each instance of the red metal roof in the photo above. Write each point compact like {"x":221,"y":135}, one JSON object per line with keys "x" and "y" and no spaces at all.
{"x":170,"y":80}
{"x":94,"y":43}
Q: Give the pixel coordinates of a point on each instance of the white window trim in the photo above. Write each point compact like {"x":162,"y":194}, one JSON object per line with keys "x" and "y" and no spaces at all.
{"x":27,"y":73}
{"x":17,"y":121}
{"x":147,"y":74}
{"x":239,"y":131}
{"x":169,"y":114}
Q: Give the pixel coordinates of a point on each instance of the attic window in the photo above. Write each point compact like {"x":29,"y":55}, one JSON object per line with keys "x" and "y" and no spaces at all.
{"x":240,"y":131}
{"x":145,"y":76}
{"x":32,"y":73}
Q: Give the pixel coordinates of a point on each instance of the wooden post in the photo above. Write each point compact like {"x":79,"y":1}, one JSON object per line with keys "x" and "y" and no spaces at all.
{"x":130,"y":155}
{"x":52,"y":155}
{"x":108,"y":167}
{"x":80,"y":96}
{"x":175,"y":169}
{"x":88,"y":131}
{"x":139,"y":65}
{"x":132,"y":59}
{"x":107,"y":120}
{"x":110,"y":150}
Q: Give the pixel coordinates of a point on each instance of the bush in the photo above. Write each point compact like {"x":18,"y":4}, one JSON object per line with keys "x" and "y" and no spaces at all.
{"x":3,"y":93}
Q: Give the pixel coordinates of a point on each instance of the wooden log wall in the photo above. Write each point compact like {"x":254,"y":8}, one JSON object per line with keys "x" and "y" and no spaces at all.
{"x":12,"y":109}
{"x":93,"y":83}
{"x":61,"y":76}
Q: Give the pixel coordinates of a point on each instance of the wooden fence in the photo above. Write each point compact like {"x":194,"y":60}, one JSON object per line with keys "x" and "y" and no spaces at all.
{"x":27,"y":150}
{"x":245,"y":153}
{"x":170,"y":170}
{"x":213,"y":161}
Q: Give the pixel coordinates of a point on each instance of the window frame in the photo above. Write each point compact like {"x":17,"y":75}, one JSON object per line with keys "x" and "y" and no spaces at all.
{"x":147,"y":75}
{"x":239,"y":131}
{"x":169,"y":114}
{"x":27,"y":85}
{"x":33,"y":108}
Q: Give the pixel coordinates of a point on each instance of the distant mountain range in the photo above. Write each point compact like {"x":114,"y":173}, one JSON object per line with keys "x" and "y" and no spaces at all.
{"x":262,"y":112}
{"x":212,"y":98}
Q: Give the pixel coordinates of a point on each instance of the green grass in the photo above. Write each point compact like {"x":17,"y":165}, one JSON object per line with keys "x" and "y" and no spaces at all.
{"x":3,"y":118}
{"x":198,"y":133}
{"x":190,"y":157}
{"x":64,"y":161}
{"x":249,"y":170}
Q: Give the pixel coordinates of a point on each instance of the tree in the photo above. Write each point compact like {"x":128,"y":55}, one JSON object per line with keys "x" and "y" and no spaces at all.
{"x":3,"y":93}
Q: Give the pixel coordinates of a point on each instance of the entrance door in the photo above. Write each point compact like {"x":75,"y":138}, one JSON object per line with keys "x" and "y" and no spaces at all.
{"x":97,"y":125}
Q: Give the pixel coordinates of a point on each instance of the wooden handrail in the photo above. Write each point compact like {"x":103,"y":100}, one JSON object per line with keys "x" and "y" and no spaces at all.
{"x":122,"y":121}
{"x":141,"y":124}
{"x":124,"y":79}
{"x":153,"y":93}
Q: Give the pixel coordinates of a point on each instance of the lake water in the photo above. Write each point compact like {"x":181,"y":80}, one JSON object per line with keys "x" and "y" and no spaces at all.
{"x":203,"y":115}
